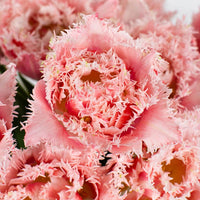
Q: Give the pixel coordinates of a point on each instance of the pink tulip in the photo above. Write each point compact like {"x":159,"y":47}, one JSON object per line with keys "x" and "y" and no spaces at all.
{"x":26,"y":28}
{"x":174,"y":170}
{"x":100,"y":90}
{"x":51,"y":172}
{"x":176,"y":44}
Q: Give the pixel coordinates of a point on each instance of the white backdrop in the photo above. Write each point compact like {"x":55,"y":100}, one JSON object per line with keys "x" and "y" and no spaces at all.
{"x":184,"y":7}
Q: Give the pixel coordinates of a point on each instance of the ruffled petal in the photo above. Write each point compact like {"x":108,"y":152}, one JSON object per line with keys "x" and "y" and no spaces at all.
{"x":191,"y":100}
{"x":155,"y":127}
{"x":42,"y":125}
{"x":7,"y":93}
{"x":7,"y":147}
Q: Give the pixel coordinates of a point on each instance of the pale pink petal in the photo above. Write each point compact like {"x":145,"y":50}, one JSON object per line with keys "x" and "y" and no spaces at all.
{"x":105,"y":8}
{"x":29,"y":66}
{"x":7,"y":93}
{"x":7,"y":147}
{"x":192,"y":97}
{"x":188,"y":122}
{"x":155,"y":127}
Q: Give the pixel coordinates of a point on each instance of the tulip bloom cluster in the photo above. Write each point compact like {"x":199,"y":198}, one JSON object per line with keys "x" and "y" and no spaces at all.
{"x":116,"y":112}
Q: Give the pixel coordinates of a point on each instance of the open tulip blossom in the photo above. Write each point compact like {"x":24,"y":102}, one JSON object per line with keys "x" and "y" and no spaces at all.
{"x":113,"y":111}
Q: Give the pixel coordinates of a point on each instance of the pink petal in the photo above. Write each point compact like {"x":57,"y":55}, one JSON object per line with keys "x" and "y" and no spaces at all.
{"x":192,"y":97}
{"x":196,"y":25}
{"x":43,"y":125}
{"x":7,"y":147}
{"x":155,"y":127}
{"x":33,"y":69}
{"x":7,"y":93}
{"x":106,"y":8}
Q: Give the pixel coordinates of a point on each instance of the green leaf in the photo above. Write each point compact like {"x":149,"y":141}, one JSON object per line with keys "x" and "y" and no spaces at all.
{"x":24,"y":91}
{"x":2,"y":68}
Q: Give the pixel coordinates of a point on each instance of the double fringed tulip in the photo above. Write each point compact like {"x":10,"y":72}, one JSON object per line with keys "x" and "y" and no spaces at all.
{"x":100,"y":89}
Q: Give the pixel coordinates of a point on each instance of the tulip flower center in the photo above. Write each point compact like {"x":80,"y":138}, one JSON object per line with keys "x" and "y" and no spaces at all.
{"x":43,"y":179}
{"x":27,"y":198}
{"x":93,"y":76}
{"x":42,"y":29}
{"x":95,"y":94}
{"x":87,"y":191}
{"x":124,"y":188}
{"x":176,"y":169}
